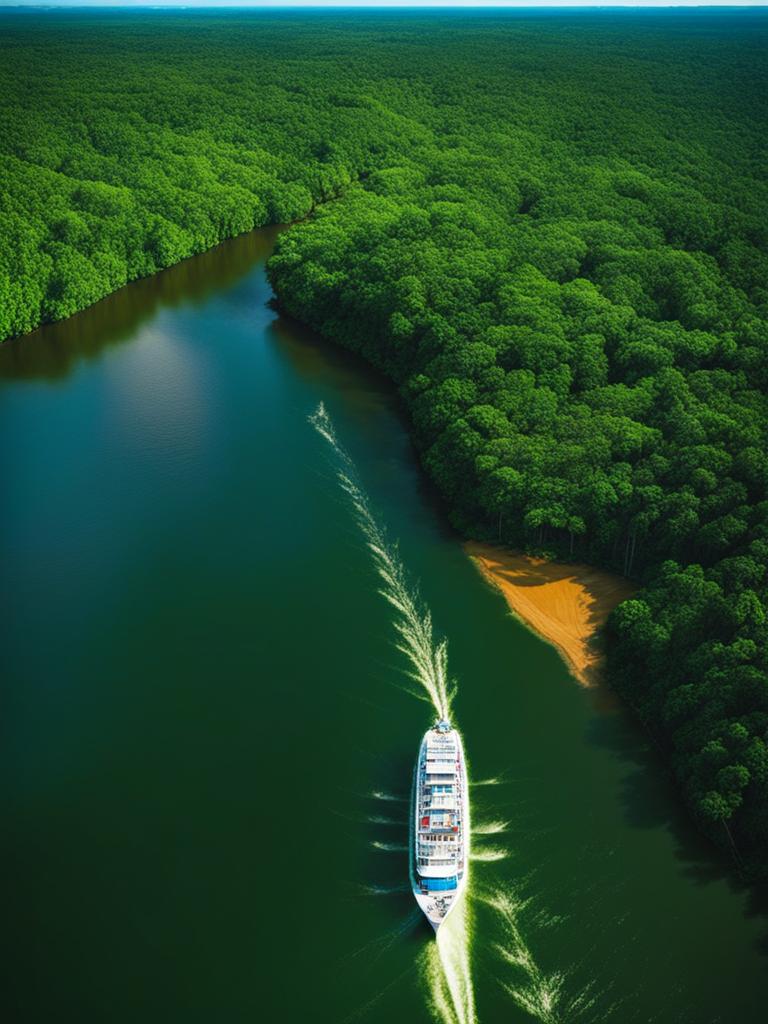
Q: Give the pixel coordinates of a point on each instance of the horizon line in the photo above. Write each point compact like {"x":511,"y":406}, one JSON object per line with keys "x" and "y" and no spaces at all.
{"x":637,"y":5}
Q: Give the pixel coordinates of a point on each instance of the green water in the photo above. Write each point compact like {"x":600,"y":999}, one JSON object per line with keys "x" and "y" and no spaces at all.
{"x":201,"y":696}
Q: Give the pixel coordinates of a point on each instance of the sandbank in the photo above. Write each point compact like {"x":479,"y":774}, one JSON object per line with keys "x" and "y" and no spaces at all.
{"x":565,"y":603}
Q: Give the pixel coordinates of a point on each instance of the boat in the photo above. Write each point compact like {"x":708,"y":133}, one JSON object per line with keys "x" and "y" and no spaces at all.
{"x":440,"y":823}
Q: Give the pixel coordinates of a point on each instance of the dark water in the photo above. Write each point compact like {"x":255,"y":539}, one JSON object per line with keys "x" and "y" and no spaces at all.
{"x":200,"y":696}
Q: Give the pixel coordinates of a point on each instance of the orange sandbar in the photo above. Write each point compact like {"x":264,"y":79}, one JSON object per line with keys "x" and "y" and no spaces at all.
{"x":565,"y":603}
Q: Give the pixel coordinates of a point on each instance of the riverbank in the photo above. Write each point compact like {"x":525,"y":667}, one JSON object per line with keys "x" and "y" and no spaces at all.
{"x":566,"y":604}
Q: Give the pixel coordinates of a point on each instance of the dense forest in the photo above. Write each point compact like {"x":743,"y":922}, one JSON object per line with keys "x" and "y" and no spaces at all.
{"x":548,"y":230}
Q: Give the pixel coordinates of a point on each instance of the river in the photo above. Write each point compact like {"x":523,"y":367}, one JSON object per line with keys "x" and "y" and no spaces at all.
{"x":207,"y":734}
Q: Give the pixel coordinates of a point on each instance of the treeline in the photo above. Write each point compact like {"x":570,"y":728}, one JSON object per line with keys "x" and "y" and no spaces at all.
{"x":130,"y":142}
{"x":569,"y":283}
{"x":549,"y":231}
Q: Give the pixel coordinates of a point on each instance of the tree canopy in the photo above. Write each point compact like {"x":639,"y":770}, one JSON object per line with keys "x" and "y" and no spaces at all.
{"x":548,"y":231}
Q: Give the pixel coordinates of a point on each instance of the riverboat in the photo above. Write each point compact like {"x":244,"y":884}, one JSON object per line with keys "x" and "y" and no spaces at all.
{"x":440,"y":823}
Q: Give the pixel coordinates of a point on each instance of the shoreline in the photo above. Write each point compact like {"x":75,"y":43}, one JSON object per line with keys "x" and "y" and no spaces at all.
{"x":566,"y":604}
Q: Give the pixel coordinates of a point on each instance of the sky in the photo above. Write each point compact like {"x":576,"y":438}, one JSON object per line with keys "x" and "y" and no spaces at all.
{"x":383,"y":3}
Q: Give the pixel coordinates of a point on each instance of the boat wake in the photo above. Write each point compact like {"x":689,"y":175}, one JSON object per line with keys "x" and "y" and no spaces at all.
{"x":446,"y":962}
{"x":491,"y":828}
{"x":378,"y":794}
{"x":476,"y":783}
{"x":448,"y":972}
{"x":384,"y":890}
{"x":427,"y":657}
{"x":389,"y":847}
{"x":489,"y":854}
{"x":447,"y":959}
{"x":532,"y":990}
{"x":379,"y":819}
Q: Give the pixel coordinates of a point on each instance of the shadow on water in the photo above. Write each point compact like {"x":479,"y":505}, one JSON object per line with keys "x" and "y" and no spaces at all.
{"x":53,"y":350}
{"x":650,"y":800}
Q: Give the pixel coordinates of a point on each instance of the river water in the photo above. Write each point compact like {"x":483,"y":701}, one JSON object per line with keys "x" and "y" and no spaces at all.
{"x":207,"y":733}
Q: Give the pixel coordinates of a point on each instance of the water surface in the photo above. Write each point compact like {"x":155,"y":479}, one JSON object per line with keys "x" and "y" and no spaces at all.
{"x":201,"y":699}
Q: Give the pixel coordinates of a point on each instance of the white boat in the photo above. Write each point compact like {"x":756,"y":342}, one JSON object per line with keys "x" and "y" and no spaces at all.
{"x":440,"y":823}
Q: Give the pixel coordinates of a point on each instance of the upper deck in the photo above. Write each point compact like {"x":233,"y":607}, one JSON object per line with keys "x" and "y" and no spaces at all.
{"x":439,"y":807}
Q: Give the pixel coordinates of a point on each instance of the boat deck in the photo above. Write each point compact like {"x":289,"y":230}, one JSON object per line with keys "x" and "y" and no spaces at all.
{"x":440,"y":781}
{"x":441,"y":823}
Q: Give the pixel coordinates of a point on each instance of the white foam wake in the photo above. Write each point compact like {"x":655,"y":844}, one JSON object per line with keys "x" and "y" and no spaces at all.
{"x":475,"y":783}
{"x":489,"y":854}
{"x":533,"y":991}
{"x":380,"y":794}
{"x":491,"y":828}
{"x":448,"y":970}
{"x":446,"y":961}
{"x":389,"y":847}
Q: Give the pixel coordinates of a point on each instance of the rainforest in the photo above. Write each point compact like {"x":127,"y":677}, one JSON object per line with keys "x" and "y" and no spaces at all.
{"x":547,"y":230}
